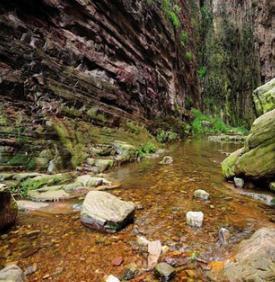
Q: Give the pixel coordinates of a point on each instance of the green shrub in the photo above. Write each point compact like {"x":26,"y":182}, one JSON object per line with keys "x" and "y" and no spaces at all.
{"x":183,"y":38}
{"x":189,"y":56}
{"x":147,"y":148}
{"x":171,"y":11}
{"x":166,"y":136}
{"x":202,"y":71}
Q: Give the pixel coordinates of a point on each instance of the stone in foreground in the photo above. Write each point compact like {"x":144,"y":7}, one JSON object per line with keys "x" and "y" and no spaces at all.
{"x":164,"y":271}
{"x":194,"y":219}
{"x":201,"y":194}
{"x":255,"y":260}
{"x":12,"y":273}
{"x":238,"y":182}
{"x":105,"y":212}
{"x":224,"y":236}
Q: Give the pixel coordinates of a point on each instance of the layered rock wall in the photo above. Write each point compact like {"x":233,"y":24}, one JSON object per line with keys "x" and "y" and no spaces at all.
{"x":68,"y":62}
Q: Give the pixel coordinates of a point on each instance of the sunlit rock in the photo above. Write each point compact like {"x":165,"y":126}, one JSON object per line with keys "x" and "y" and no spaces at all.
{"x":103,"y":211}
{"x":194,"y":219}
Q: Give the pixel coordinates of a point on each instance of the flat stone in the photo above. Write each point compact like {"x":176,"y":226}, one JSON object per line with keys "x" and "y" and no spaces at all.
{"x":105,"y":212}
{"x":90,"y":181}
{"x":12,"y":273}
{"x":238,"y":182}
{"x":49,"y":196}
{"x":165,"y":271}
{"x":26,"y":205}
{"x":194,"y":219}
{"x":201,"y":194}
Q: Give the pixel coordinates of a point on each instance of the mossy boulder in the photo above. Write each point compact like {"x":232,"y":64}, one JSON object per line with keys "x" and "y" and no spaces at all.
{"x":264,"y":97}
{"x":257,"y":159}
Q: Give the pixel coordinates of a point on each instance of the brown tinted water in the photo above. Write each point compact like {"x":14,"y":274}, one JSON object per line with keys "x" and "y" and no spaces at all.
{"x":64,"y":250}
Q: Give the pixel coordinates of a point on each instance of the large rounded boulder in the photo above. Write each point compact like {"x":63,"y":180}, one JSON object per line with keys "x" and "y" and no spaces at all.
{"x":8,"y":209}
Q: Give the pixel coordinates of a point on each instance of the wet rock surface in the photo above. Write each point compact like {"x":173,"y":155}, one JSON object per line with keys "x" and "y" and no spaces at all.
{"x":164,"y":272}
{"x":105,"y":212}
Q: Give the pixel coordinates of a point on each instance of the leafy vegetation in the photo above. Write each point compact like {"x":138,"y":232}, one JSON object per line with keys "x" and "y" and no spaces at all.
{"x":184,"y":38}
{"x":171,"y":11}
{"x":166,"y":136}
{"x":204,"y":124}
{"x":147,"y":148}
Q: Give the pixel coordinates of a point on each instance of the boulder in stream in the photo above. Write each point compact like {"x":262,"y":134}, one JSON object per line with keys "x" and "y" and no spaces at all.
{"x":105,"y":212}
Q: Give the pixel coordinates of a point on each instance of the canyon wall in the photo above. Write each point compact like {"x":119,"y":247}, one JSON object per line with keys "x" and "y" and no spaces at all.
{"x":102,"y":63}
{"x":237,"y":55}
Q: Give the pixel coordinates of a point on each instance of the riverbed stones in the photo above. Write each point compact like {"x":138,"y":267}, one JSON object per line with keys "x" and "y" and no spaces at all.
{"x":255,"y":260}
{"x":194,"y":218}
{"x":8,"y":209}
{"x":166,"y":160}
{"x":238,"y":182}
{"x":12,"y":273}
{"x":26,"y":205}
{"x":201,"y":194}
{"x":105,"y":212}
{"x":164,"y":271}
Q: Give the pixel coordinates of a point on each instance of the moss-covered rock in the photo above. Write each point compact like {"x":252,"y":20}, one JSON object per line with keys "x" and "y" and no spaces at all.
{"x":257,"y":159}
{"x":228,"y":165}
{"x":264,"y":97}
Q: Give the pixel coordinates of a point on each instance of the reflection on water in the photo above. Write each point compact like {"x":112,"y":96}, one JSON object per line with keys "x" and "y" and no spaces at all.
{"x":66,"y":251}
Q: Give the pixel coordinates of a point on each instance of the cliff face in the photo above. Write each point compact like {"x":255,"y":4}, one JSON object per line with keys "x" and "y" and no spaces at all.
{"x":238,"y":55}
{"x":101,"y":63}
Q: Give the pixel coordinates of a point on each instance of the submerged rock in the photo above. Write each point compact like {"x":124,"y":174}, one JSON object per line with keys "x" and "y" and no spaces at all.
{"x":165,"y":272}
{"x":105,"y":212}
{"x":238,"y":182}
{"x":166,"y":160}
{"x":255,"y":260}
{"x":12,"y":273}
{"x":49,"y":195}
{"x":194,"y":219}
{"x":201,"y":194}
{"x":8,"y":209}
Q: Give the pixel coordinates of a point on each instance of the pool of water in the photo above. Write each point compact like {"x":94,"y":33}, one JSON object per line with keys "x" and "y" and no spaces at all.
{"x":63,"y":250}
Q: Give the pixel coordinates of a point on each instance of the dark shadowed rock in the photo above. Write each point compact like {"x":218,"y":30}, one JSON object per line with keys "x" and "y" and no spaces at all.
{"x":8,"y":209}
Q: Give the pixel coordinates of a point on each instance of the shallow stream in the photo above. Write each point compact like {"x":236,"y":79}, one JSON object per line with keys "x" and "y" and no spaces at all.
{"x":54,"y":241}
